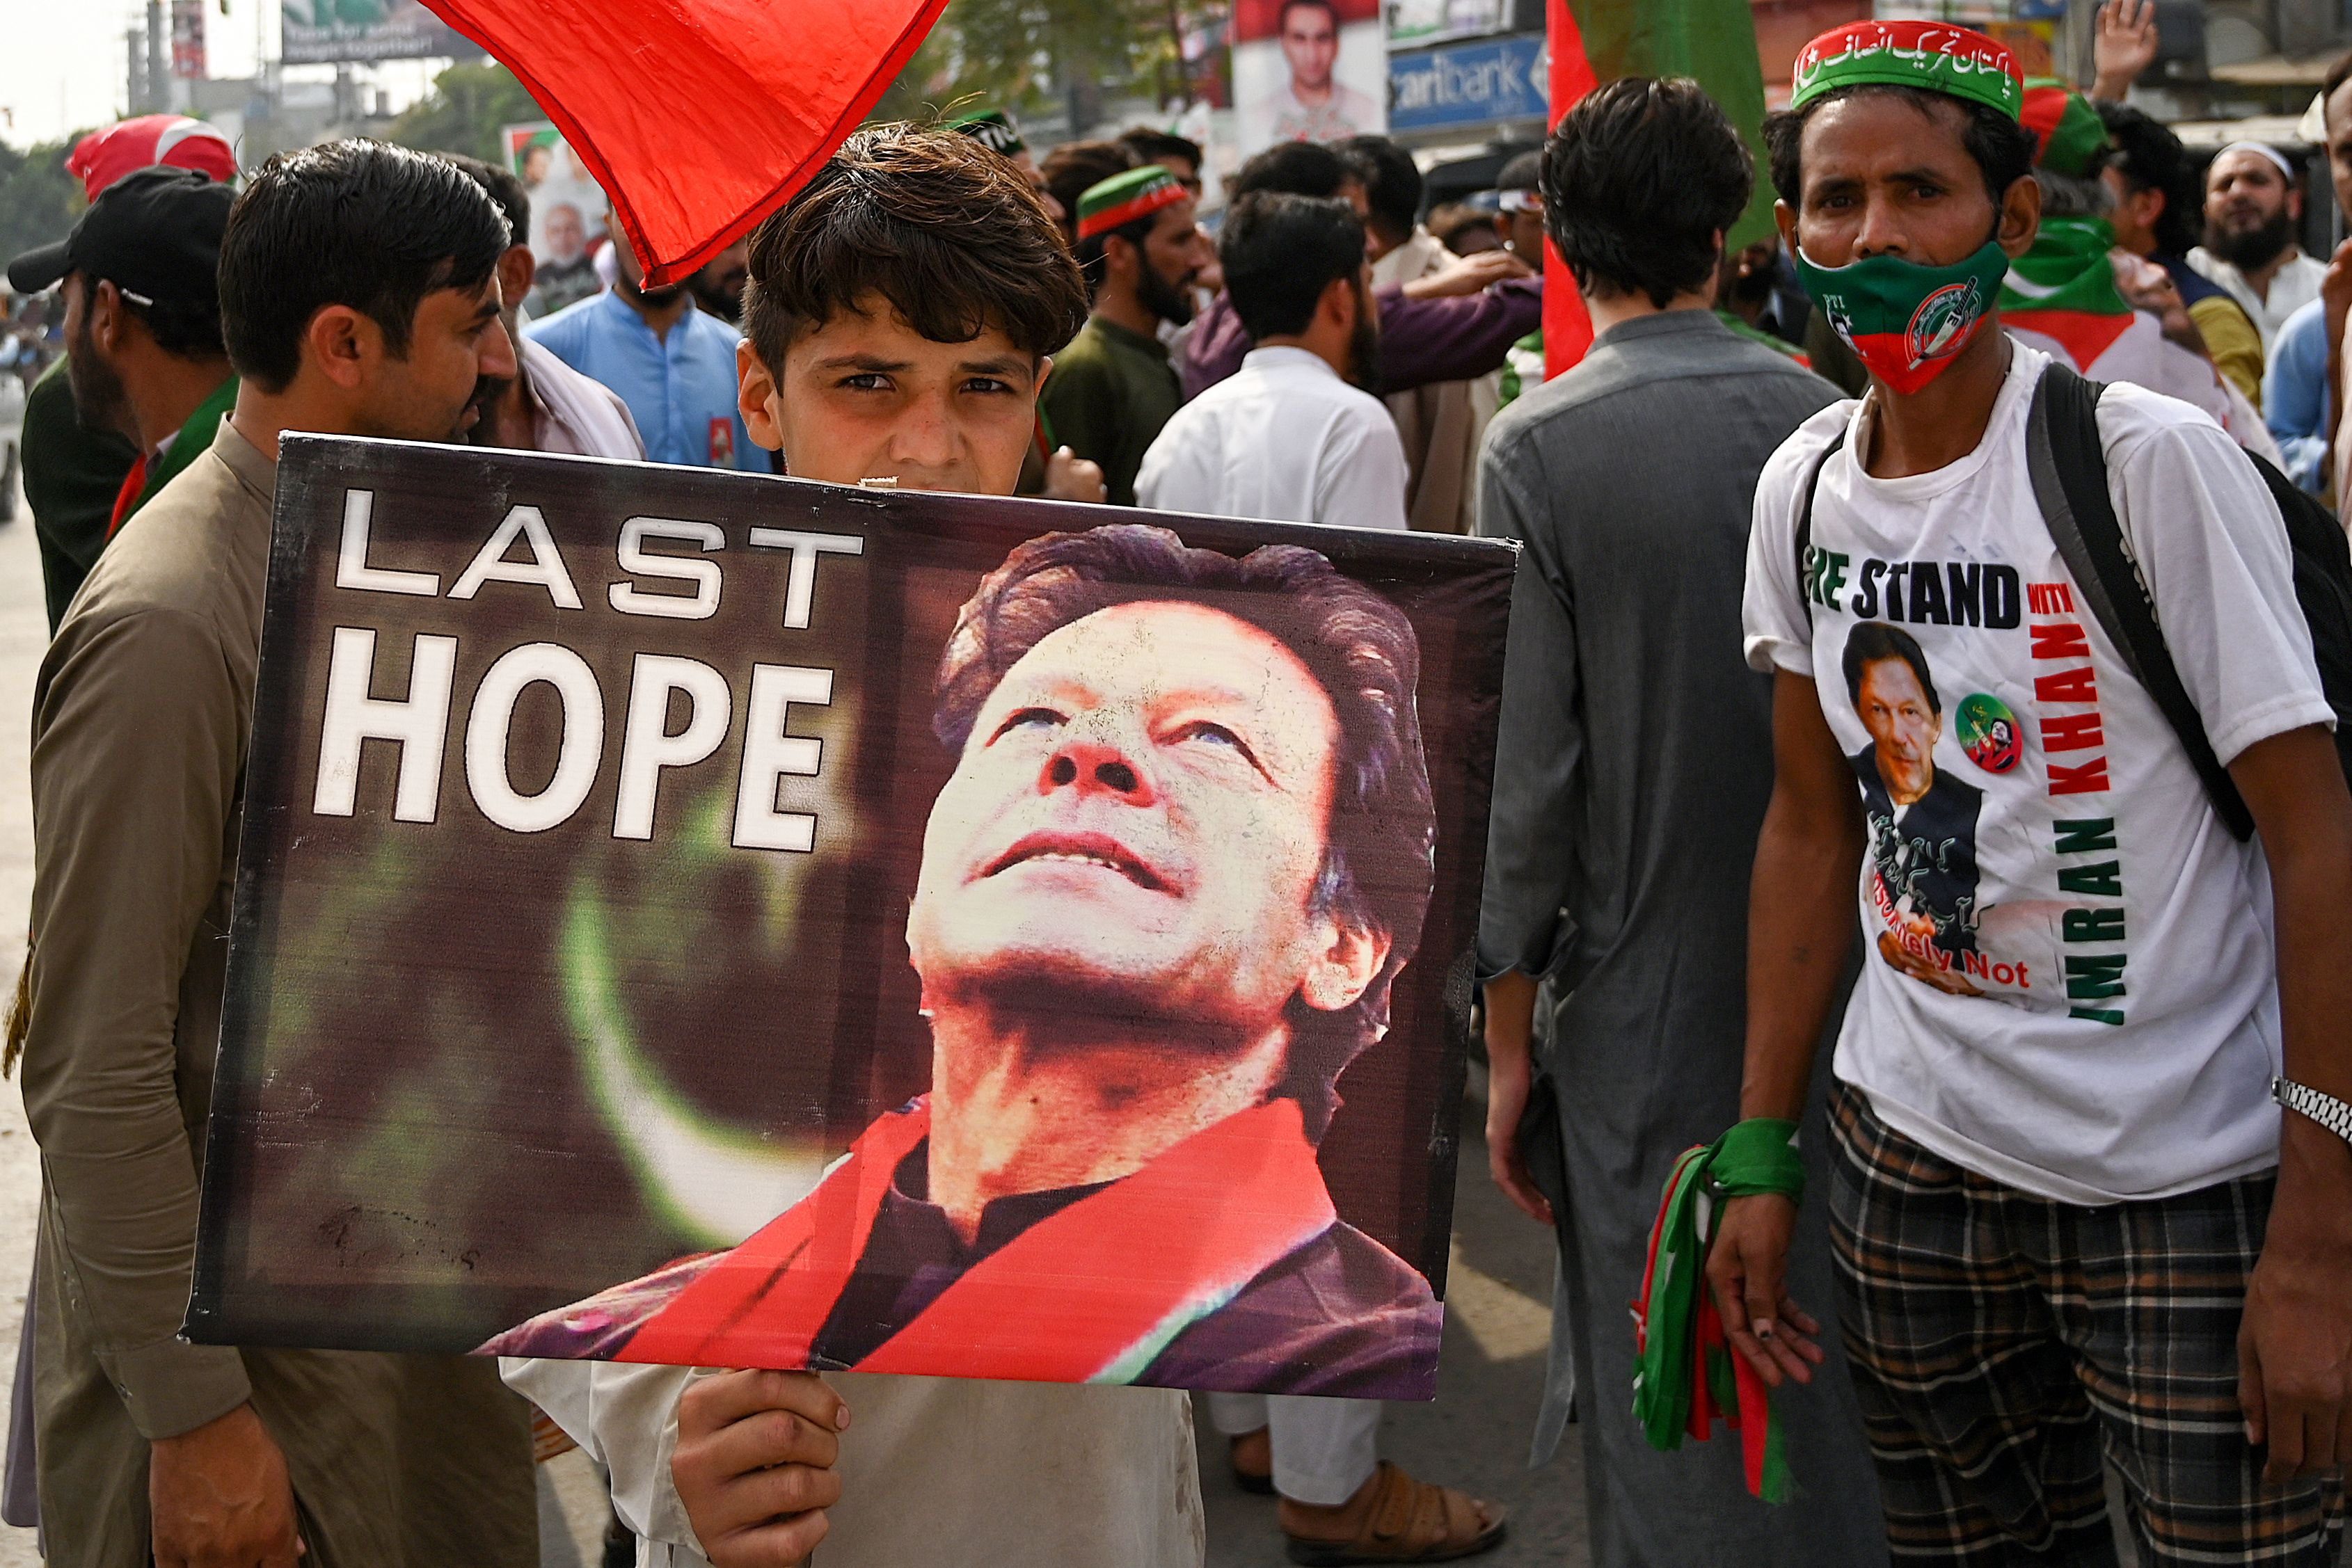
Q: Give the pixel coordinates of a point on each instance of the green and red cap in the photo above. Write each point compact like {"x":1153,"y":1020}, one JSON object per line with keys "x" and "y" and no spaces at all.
{"x":992,"y":128}
{"x":1934,"y":56}
{"x":1123,"y":198}
{"x":2068,"y":134}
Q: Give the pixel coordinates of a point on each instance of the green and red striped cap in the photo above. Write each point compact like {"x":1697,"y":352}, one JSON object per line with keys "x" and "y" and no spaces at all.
{"x":2068,"y":134}
{"x":1934,"y":56}
{"x":1123,"y":198}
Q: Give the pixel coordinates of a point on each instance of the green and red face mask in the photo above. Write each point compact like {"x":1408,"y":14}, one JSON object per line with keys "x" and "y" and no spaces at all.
{"x":1906,"y":321}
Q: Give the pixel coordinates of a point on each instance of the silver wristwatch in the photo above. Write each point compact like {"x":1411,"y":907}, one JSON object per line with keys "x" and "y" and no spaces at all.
{"x":2324,"y":1109}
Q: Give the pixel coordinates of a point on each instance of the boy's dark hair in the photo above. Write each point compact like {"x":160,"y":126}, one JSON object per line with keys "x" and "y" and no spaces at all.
{"x":1392,"y":184}
{"x":2002,"y":148}
{"x":2149,"y":157}
{"x":1151,"y":146}
{"x":1281,"y":252}
{"x":505,"y":188}
{"x":1075,"y":168}
{"x":1294,"y":167}
{"x":1641,"y":181}
{"x":359,"y":224}
{"x":1877,"y":643}
{"x":946,"y":231}
{"x":1524,"y":172}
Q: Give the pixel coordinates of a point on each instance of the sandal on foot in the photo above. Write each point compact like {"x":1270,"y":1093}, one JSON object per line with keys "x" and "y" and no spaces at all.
{"x":1409,"y":1521}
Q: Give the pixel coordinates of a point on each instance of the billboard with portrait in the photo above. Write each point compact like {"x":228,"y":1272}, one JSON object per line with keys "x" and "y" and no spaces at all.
{"x":334,"y":32}
{"x":567,"y":214}
{"x":1308,"y":70}
{"x":698,"y":917}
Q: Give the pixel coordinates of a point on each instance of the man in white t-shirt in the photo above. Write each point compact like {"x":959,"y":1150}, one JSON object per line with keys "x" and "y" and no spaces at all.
{"x":2057,"y":1150}
{"x":1289,"y":438}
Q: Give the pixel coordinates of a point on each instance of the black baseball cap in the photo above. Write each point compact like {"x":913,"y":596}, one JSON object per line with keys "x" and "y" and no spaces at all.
{"x":155,"y":233}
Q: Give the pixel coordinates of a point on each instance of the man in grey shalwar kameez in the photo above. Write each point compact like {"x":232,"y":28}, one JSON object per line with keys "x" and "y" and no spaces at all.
{"x":1633,"y":767}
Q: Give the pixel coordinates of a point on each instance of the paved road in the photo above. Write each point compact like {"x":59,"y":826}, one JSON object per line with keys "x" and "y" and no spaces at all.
{"x":1490,"y":1378}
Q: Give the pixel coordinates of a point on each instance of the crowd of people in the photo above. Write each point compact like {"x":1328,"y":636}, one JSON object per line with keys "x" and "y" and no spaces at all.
{"x":1931,"y":549}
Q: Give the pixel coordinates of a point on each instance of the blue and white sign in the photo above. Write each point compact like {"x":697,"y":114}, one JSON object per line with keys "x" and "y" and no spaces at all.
{"x":1468,"y":84}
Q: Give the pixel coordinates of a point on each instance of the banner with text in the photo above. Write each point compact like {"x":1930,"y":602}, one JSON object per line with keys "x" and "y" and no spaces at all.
{"x":339,"y":32}
{"x":696,"y":918}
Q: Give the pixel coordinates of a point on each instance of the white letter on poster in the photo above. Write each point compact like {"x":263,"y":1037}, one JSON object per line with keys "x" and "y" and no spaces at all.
{"x":493,"y":715}
{"x":419,"y":724}
{"x":769,"y":754}
{"x":630,"y":599}
{"x":352,"y":570}
{"x":545,"y":566}
{"x":647,"y":747}
{"x":800,"y":585}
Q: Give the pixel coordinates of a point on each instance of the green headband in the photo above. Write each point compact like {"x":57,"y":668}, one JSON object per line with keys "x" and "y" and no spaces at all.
{"x":1934,"y":56}
{"x":1123,"y":198}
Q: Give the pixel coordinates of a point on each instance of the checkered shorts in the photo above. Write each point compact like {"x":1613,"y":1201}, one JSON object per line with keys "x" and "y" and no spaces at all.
{"x":1999,"y":1342}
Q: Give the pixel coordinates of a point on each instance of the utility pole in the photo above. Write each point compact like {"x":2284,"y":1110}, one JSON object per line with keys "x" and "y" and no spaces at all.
{"x":134,"y":46}
{"x":159,"y":72}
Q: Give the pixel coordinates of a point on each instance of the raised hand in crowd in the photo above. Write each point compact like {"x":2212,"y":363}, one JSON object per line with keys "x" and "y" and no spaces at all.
{"x":1468,"y":276}
{"x":754,"y":1463}
{"x":2124,"y":46}
{"x":219,"y":1497}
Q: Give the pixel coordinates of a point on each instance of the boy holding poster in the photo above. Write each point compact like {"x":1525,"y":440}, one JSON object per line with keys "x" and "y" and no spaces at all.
{"x":901,"y":313}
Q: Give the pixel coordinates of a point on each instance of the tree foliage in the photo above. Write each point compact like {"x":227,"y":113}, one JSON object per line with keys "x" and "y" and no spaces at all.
{"x":1026,"y":54}
{"x":38,"y":200}
{"x":463,"y":110}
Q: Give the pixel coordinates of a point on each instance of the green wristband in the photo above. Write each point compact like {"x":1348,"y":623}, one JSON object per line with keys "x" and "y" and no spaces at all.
{"x":1759,"y":1155}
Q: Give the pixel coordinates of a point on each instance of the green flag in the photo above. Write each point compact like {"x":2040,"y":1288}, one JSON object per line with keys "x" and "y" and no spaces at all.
{"x":1711,"y":41}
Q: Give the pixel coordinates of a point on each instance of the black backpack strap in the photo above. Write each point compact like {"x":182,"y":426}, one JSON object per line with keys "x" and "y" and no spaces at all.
{"x":2069,"y":470}
{"x":1805,"y":518}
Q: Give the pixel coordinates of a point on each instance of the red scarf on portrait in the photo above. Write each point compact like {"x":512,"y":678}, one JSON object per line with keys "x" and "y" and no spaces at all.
{"x":1093,"y":1292}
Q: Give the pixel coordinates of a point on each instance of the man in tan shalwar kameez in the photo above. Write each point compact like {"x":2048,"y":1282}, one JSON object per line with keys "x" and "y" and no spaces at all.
{"x":358,"y":297}
{"x":1442,"y":423}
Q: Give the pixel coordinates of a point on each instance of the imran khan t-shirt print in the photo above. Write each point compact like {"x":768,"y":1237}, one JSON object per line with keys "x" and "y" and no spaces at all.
{"x":2071,"y":982}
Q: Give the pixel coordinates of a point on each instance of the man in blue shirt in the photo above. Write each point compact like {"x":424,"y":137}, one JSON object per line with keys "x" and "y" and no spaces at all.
{"x":673,"y":364}
{"x":2295,"y":395}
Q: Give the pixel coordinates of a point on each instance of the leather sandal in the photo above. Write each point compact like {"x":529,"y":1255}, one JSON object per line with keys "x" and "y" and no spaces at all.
{"x":1409,"y":1521}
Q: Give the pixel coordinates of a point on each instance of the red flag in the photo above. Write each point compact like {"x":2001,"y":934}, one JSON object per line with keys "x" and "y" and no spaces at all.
{"x":698,"y":117}
{"x":1568,"y":330}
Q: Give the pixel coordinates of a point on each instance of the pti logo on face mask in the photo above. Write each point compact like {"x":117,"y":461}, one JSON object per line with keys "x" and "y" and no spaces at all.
{"x":1940,"y":326}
